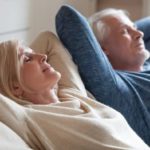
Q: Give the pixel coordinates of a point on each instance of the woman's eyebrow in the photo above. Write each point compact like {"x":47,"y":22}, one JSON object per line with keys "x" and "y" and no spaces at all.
{"x":24,"y":51}
{"x":28,"y":50}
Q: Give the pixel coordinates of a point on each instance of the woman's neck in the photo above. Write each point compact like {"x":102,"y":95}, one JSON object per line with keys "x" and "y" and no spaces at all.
{"x":45,"y":97}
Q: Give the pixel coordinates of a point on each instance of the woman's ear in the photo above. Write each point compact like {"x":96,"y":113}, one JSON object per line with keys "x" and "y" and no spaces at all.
{"x":17,"y":90}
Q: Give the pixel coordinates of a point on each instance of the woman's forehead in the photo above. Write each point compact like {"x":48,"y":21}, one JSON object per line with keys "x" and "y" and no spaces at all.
{"x":23,"y":50}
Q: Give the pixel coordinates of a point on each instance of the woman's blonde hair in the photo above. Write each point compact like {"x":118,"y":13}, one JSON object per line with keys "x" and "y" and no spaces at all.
{"x":9,"y":67}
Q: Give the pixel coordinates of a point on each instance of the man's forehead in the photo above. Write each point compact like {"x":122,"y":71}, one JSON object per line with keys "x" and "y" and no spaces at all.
{"x":118,"y":21}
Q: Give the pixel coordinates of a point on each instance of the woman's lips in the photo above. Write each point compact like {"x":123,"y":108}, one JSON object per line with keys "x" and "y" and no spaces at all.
{"x":48,"y":67}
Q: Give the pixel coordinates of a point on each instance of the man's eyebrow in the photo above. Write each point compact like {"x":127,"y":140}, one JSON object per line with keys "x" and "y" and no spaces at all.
{"x":127,"y":26}
{"x":123,"y":26}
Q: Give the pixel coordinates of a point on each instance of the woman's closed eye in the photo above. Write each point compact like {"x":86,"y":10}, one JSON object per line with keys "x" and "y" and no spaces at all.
{"x":27,"y":59}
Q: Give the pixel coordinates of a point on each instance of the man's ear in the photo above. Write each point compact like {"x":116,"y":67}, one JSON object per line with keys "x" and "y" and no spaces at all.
{"x":17,"y":90}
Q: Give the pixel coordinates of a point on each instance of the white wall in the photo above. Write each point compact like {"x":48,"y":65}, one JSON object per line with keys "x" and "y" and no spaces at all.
{"x":146,"y":7}
{"x":14,"y":16}
{"x":44,"y":11}
{"x":24,"y":19}
{"x":43,"y":15}
{"x":86,"y":7}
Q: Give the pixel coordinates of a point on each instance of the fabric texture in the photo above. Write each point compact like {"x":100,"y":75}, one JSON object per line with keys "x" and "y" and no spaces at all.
{"x":127,"y":92}
{"x":77,"y":122}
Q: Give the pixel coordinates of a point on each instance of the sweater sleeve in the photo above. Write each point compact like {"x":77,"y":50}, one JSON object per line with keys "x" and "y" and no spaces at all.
{"x":94,"y":67}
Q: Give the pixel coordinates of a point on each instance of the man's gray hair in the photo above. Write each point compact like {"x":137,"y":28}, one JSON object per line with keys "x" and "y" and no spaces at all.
{"x":100,"y":28}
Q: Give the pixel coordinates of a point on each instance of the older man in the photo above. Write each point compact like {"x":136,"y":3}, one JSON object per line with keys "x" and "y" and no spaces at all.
{"x":120,"y":39}
{"x":126,"y":91}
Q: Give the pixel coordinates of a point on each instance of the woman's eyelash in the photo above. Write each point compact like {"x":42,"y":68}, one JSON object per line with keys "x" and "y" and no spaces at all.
{"x":27,"y":58}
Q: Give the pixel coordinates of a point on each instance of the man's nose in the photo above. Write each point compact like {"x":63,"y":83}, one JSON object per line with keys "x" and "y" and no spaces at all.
{"x":138,"y":34}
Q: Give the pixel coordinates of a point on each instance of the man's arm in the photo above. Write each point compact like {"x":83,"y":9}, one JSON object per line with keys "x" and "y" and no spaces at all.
{"x":96,"y":72}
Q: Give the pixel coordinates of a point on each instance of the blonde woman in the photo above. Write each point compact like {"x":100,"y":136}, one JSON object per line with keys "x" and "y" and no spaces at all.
{"x":50,"y":117}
